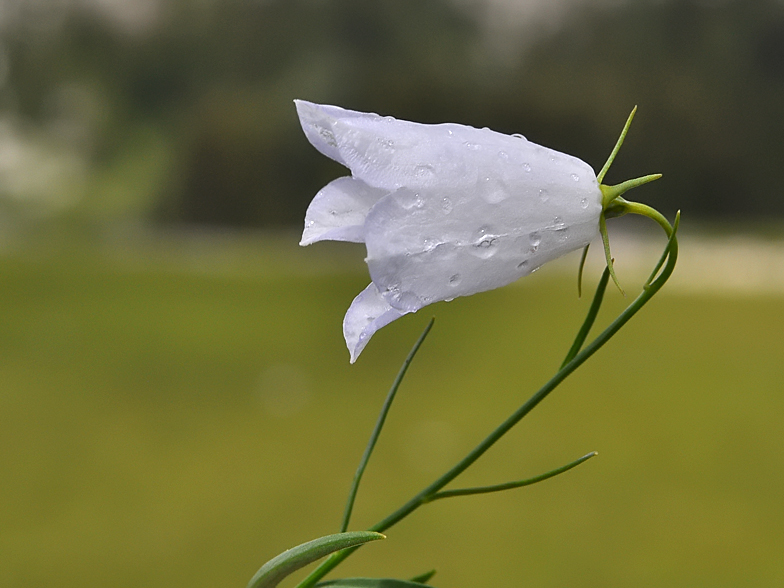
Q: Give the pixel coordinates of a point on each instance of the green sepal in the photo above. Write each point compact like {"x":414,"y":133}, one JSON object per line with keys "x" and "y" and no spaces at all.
{"x":370,"y":583}
{"x":276,"y":569}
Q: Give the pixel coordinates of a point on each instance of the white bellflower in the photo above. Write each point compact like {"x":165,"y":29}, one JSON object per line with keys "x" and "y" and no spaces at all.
{"x":444,"y":210}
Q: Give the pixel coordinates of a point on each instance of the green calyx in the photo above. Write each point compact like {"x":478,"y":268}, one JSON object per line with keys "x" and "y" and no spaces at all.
{"x":613,"y":205}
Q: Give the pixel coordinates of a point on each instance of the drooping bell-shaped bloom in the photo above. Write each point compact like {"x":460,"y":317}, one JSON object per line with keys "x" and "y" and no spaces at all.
{"x":444,"y":210}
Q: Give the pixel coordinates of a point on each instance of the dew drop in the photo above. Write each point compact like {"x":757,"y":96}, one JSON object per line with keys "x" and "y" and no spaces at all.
{"x":472,"y":146}
{"x":535,"y":239}
{"x":486,"y":246}
{"x":503,"y":155}
{"x":423,"y":171}
{"x":448,"y":299}
{"x":575,"y":177}
{"x":333,"y":212}
{"x":526,"y":168}
{"x":410,"y":200}
{"x":454,"y":280}
{"x":519,"y":136}
{"x":584,"y":203}
{"x":544,"y":196}
{"x":328,"y":136}
{"x":429,"y":244}
{"x":310,"y":223}
{"x":522,"y":265}
{"x":446,"y":205}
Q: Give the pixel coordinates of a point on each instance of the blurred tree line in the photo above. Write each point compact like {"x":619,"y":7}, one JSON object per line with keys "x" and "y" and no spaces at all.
{"x":190,"y":119}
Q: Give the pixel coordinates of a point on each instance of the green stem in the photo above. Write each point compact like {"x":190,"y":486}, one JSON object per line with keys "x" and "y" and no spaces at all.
{"x":382,"y":417}
{"x":422,"y":497}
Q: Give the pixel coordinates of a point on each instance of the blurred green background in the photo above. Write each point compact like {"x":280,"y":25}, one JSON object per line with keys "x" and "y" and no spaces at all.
{"x":176,"y":403}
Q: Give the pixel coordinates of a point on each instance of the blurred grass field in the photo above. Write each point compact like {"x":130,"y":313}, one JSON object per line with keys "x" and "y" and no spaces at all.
{"x":176,"y":413}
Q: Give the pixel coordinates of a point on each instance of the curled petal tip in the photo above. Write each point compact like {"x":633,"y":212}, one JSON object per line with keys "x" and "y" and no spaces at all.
{"x":367,"y":314}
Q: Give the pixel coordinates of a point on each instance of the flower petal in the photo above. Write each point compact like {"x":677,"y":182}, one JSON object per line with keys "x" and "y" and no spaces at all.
{"x":317,"y":122}
{"x":339,"y":210}
{"x":367,"y":314}
{"x":424,"y":247}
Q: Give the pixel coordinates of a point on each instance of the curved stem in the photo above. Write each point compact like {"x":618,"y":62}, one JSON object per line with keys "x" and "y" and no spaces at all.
{"x":421,"y":498}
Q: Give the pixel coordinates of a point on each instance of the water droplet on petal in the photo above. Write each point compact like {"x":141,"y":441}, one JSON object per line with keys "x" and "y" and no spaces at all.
{"x":423,"y":171}
{"x":328,"y":136}
{"x":503,"y":155}
{"x":575,"y":177}
{"x":446,"y":205}
{"x":526,"y":167}
{"x":454,"y":280}
{"x":535,"y":239}
{"x":409,"y":200}
{"x":472,"y":146}
{"x":544,"y":196}
{"x":485,"y":244}
{"x":523,"y":265}
{"x":584,"y":203}
{"x":518,"y":136}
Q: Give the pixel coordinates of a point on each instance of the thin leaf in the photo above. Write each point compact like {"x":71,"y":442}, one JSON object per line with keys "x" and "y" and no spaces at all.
{"x":423,"y":578}
{"x":580,"y":272}
{"x":276,"y":569}
{"x":512,"y":485}
{"x":593,"y":311}
{"x":379,"y":424}
{"x":370,"y":583}
{"x":666,"y":251}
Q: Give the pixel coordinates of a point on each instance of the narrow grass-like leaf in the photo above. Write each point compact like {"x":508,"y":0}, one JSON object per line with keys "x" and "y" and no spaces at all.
{"x":511,"y":485}
{"x":580,"y":271}
{"x":666,"y":251}
{"x":590,"y":318}
{"x":379,"y":425}
{"x":371,"y":583}
{"x":276,"y":569}
{"x":423,"y":578}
